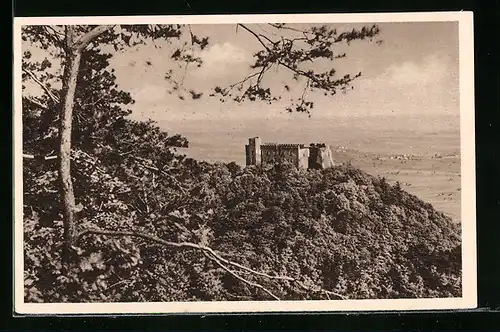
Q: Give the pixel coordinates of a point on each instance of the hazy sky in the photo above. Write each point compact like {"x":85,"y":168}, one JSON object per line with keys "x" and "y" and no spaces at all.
{"x":412,"y":77}
{"x":414,"y":72}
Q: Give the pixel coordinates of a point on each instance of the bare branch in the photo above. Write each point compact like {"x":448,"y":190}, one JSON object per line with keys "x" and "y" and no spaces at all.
{"x":284,"y":27}
{"x":260,"y":74}
{"x":318,"y":289}
{"x":208,"y":252}
{"x":93,"y":161}
{"x":256,"y":36}
{"x":265,"y":68}
{"x":262,"y":274}
{"x":92,"y":103}
{"x":267,"y":38}
{"x":55,"y":35}
{"x":144,"y":236}
{"x":191,"y":34}
{"x":212,"y":255}
{"x":248,"y":282}
{"x":152,"y":168}
{"x":42,"y":85}
{"x":36,"y":102}
{"x":119,"y":283}
{"x":185,"y":73}
{"x":243,"y":80}
{"x":145,"y":200}
{"x":305,"y":89}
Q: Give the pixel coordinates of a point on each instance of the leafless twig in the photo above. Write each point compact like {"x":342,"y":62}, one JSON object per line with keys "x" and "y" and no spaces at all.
{"x":36,"y":102}
{"x":55,"y":36}
{"x":42,"y":85}
{"x":248,"y":282}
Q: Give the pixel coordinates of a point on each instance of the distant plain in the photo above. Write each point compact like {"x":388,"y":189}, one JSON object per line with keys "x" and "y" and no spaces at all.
{"x":422,"y":153}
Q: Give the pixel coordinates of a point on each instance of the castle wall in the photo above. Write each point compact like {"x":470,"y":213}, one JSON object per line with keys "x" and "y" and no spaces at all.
{"x":280,"y":153}
{"x":316,"y":156}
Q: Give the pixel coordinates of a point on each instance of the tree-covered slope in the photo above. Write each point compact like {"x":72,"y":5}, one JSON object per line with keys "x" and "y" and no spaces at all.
{"x":275,"y":233}
{"x":339,"y":228}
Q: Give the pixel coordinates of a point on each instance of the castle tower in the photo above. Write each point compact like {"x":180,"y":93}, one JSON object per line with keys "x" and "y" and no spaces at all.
{"x":253,"y":153}
{"x":320,"y":156}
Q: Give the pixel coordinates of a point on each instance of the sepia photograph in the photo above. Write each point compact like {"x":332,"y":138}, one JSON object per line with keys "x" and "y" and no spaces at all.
{"x":244,"y":163}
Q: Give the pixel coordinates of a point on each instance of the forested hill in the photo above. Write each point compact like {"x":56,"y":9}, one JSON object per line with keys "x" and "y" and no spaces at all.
{"x":206,"y":231}
{"x":339,"y":228}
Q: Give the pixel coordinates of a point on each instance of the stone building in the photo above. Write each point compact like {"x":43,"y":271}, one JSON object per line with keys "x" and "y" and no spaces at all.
{"x":320,"y":156}
{"x":314,"y":156}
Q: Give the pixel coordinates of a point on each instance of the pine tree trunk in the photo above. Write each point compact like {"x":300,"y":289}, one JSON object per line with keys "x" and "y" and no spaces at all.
{"x":73,"y":49}
{"x":68,"y":197}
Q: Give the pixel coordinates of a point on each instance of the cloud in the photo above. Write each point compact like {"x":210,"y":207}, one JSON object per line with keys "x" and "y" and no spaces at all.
{"x":226,"y":53}
{"x":431,"y":70}
{"x":425,"y":86}
{"x":223,"y":63}
{"x":428,"y":81}
{"x":149,"y":93}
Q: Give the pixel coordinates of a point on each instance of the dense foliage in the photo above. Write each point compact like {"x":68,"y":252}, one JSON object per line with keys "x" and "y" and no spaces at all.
{"x":153,"y":225}
{"x":337,"y":229}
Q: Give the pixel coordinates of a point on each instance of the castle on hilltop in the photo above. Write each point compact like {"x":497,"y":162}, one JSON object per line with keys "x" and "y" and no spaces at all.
{"x":314,"y":156}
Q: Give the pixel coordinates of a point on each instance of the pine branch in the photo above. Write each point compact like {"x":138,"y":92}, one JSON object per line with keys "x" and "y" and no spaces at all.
{"x":277,"y":56}
{"x":300,"y":72}
{"x":259,"y":37}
